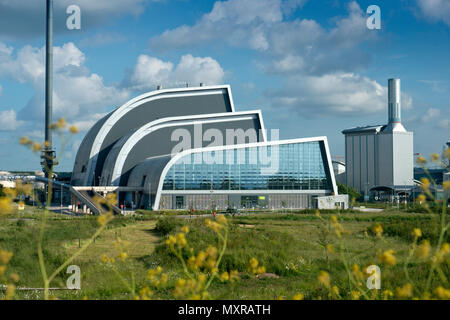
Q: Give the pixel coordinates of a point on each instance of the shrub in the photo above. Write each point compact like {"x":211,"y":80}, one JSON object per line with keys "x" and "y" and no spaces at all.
{"x":352,"y":192}
{"x":166,"y":225}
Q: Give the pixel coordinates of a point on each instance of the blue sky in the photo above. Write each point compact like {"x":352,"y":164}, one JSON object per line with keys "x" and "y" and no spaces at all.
{"x":311,"y":66}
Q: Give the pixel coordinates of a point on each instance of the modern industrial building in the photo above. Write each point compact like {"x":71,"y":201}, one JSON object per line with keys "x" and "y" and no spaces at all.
{"x":380,"y":159}
{"x":188,"y":148}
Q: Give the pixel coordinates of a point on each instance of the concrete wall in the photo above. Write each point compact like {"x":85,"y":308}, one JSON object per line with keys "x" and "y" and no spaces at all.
{"x":403,"y":159}
{"x":332,"y":202}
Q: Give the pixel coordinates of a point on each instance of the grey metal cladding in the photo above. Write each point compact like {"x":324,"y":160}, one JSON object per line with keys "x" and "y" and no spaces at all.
{"x":82,"y":157}
{"x":148,"y":173}
{"x":161,"y":108}
{"x":159,"y":142}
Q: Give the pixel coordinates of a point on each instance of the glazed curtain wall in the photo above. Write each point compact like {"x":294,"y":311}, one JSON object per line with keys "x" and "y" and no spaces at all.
{"x":299,"y":166}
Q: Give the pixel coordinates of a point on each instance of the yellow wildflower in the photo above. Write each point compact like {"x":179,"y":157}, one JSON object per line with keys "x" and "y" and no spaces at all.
{"x":171,"y":240}
{"x":425,"y":183}
{"x":324,"y":278}
{"x":181,"y":240}
{"x":5,"y":256}
{"x":221,"y":219}
{"x":421,"y":198}
{"x":2,"y":270}
{"x":435,"y":157}
{"x":298,"y":296}
{"x":442,"y":293}
{"x":25,"y":141}
{"x":423,"y":250}
{"x":185,"y":229}
{"x":123,"y":255}
{"x":417,"y":233}
{"x":36,"y":147}
{"x":421,"y":160}
{"x":61,"y":123}
{"x":387,"y":294}
{"x":5,"y":205}
{"x":355,"y":295}
{"x":335,"y":290}
{"x":405,"y":291}
{"x":388,"y":257}
{"x":253,"y":263}
{"x":73,"y":130}
{"x":224,"y":277}
{"x":378,"y":229}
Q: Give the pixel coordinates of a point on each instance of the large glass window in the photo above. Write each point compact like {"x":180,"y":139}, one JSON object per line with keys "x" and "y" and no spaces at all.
{"x":298,"y":166}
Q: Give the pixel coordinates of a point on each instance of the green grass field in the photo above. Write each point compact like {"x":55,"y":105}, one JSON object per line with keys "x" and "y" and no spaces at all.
{"x":290,"y":246}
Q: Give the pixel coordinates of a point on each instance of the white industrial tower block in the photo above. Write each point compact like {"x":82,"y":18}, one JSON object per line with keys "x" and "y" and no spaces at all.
{"x":381,"y":157}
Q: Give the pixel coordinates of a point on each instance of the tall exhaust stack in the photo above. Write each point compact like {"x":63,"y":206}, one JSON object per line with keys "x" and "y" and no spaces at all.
{"x":394,"y":107}
{"x":48,"y":155}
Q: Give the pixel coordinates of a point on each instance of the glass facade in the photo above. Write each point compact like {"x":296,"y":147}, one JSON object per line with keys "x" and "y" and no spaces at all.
{"x":296,"y":166}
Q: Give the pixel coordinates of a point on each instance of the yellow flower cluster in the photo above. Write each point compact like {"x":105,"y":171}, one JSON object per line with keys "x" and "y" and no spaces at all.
{"x":404,"y":292}
{"x":5,"y":258}
{"x":191,"y":289}
{"x":417,"y":233}
{"x":357,"y":273}
{"x":355,"y":295}
{"x":254,"y":267}
{"x":107,"y":259}
{"x":425,"y":183}
{"x":5,"y":206}
{"x":377,"y":229}
{"x":229,"y":276}
{"x":205,"y":260}
{"x":421,"y":160}
{"x":157,"y":277}
{"x":442,"y":293}
{"x":298,"y":296}
{"x":121,"y":245}
{"x":337,"y":226}
{"x":324,"y":278}
{"x":144,"y":294}
{"x":217,"y":225}
{"x":423,"y":250}
{"x":387,"y":257}
{"x":387,"y":294}
{"x":442,"y":254}
{"x":103,"y":220}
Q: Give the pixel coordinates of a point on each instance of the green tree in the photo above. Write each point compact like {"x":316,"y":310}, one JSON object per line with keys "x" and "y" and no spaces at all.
{"x":352,"y":192}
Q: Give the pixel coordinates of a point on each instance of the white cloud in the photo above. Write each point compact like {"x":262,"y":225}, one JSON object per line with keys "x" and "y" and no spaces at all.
{"x":338,"y":94}
{"x":8,"y":120}
{"x":435,"y":10}
{"x":260,"y":25}
{"x":77,"y":91}
{"x":431,"y":115}
{"x":13,"y":14}
{"x":150,"y":72}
